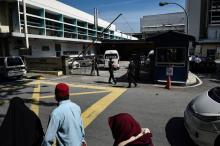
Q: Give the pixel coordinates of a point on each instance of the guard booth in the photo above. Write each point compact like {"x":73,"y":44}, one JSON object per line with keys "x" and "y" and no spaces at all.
{"x":171,"y":53}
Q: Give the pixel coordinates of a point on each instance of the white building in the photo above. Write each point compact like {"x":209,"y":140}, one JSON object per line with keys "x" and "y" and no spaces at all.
{"x":153,"y":24}
{"x":204,"y":24}
{"x":54,"y":29}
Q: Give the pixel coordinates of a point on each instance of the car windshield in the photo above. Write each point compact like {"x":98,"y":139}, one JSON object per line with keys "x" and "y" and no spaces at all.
{"x":14,"y":61}
{"x":113,"y":56}
{"x":215,"y":94}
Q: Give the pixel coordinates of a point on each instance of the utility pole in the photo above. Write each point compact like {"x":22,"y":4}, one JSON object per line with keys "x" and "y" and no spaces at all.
{"x":99,"y":36}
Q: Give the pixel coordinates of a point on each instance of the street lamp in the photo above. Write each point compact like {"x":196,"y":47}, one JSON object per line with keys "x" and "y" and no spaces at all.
{"x":187,"y":19}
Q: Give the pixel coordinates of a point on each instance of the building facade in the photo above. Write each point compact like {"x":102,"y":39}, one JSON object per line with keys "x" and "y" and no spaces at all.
{"x":54,"y":29}
{"x":153,"y":24}
{"x":204,"y":24}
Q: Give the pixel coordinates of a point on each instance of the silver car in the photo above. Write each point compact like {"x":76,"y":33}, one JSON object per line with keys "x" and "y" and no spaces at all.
{"x":202,"y":118}
{"x":12,"y":66}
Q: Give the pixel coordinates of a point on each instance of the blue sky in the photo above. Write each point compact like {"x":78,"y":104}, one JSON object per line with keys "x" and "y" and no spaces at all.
{"x":132,"y":10}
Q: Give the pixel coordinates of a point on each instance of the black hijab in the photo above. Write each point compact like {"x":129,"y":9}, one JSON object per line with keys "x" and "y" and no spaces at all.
{"x":21,"y":126}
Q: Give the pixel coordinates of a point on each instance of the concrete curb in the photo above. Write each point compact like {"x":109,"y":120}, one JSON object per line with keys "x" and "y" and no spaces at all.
{"x":193,"y":81}
{"x":57,"y":73}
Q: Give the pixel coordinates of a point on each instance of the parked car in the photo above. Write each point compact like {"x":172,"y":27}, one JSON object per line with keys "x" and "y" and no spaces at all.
{"x":202,"y":64}
{"x":73,"y":64}
{"x":12,"y":66}
{"x":84,"y":62}
{"x":202,"y":118}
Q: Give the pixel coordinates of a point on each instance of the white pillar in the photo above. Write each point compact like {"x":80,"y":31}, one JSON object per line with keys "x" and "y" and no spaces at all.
{"x":25,"y":25}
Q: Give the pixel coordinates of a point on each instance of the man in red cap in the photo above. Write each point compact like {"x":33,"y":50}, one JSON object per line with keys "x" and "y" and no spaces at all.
{"x":65,"y":124}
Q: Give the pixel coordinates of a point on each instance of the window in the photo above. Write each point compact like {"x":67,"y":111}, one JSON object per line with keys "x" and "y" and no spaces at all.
{"x":45,"y":48}
{"x":214,"y":12}
{"x":57,"y":47}
{"x":14,"y":61}
{"x":167,"y":55}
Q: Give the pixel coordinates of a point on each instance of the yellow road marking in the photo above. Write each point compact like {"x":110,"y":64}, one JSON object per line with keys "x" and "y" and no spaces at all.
{"x":79,"y":86}
{"x":97,"y":108}
{"x":74,"y":94}
{"x":36,"y":97}
{"x":91,"y":113}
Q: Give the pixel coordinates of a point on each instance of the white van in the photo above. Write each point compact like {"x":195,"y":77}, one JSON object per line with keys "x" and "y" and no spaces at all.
{"x":115,"y":58}
{"x":12,"y":66}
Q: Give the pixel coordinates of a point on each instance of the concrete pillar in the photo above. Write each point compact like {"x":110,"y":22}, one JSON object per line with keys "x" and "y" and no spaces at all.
{"x":65,"y":66}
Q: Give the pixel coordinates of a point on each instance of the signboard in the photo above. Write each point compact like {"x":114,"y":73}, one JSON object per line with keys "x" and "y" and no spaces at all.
{"x":169,"y":71}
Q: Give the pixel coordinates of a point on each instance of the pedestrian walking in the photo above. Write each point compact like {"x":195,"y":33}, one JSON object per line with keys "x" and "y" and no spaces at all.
{"x":111,"y":71}
{"x":137,"y":64}
{"x":131,"y":74}
{"x":21,"y":126}
{"x":126,"y":131}
{"x":95,"y":66}
{"x":65,"y":123}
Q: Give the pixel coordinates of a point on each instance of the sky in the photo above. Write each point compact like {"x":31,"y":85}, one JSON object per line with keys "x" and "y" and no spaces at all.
{"x":131,"y":10}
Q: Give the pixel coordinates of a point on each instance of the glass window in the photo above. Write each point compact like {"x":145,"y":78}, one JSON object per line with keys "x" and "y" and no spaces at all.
{"x":171,"y":55}
{"x":45,"y":48}
{"x":214,"y":93}
{"x":14,"y":61}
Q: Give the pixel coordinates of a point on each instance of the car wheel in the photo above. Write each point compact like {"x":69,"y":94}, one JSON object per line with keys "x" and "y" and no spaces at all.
{"x":217,"y":141}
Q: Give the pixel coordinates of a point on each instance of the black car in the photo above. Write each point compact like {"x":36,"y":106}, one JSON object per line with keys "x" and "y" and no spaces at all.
{"x":205,"y":64}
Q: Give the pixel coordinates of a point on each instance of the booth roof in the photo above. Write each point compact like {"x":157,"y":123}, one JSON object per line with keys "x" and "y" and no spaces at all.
{"x":169,"y":35}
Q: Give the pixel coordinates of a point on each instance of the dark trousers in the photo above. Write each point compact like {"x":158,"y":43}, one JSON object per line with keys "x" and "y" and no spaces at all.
{"x":111,"y":77}
{"x":97,"y":70}
{"x":131,"y":79}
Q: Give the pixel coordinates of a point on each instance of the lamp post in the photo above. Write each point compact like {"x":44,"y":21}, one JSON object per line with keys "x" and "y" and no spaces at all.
{"x":187,"y":19}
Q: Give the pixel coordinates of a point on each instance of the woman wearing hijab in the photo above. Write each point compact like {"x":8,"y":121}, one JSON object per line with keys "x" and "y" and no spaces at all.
{"x":126,"y":131}
{"x":21,"y":126}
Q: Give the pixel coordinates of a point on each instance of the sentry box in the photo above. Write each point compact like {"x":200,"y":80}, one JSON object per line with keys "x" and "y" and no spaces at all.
{"x":171,"y":56}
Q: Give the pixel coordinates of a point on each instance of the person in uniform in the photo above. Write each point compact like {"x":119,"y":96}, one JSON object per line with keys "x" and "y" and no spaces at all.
{"x":111,"y":71}
{"x":95,"y":66}
{"x":131,"y":74}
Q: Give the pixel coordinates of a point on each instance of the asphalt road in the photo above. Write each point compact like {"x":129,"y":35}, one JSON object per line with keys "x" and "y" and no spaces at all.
{"x":156,"y":108}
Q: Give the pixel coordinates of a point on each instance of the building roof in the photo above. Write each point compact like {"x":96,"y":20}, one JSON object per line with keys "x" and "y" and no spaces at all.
{"x":171,"y":34}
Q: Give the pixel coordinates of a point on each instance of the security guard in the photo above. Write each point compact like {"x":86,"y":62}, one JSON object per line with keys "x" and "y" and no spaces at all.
{"x":94,"y":66}
{"x":111,"y":71}
{"x":131,"y":74}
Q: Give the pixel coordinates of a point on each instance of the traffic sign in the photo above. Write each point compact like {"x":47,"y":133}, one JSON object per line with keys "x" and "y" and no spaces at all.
{"x":169,"y":71}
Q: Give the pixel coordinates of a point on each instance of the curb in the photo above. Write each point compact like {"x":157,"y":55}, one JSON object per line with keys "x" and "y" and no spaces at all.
{"x":194,"y":84}
{"x":57,"y":73}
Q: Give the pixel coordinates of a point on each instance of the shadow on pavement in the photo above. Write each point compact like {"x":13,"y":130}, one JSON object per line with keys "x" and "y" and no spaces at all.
{"x":144,"y":78}
{"x":32,"y":101}
{"x":176,"y":133}
{"x":37,"y":92}
{"x":101,"y":82}
{"x":13,"y":87}
{"x":43,"y":103}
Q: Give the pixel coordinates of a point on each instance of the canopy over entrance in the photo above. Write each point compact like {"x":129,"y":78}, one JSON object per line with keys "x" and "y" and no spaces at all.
{"x":126,"y":47}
